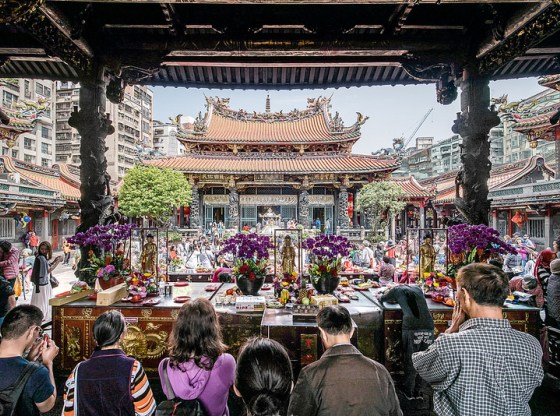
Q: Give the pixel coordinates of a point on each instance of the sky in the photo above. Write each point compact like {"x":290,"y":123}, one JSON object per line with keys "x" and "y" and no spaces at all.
{"x":393,"y":111}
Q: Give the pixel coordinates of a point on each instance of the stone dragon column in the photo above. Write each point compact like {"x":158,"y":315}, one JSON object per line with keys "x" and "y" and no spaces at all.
{"x":194,"y":217}
{"x":343,"y":220}
{"x":233,"y":208}
{"x":474,"y":124}
{"x":303,"y":213}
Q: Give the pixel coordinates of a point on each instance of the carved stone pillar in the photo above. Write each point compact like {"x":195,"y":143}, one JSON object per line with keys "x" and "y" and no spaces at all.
{"x":233,"y":209}
{"x":194,"y":218}
{"x":474,"y":124}
{"x":93,"y":125}
{"x":303,"y":203}
{"x":355,"y":211}
{"x":343,"y":220}
{"x":422,"y":215}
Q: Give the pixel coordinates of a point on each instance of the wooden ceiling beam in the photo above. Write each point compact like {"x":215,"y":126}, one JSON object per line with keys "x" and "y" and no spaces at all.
{"x":61,"y":23}
{"x":527,"y":30}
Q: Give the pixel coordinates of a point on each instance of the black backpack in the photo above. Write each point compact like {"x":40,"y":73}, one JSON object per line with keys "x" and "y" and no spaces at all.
{"x":9,"y":397}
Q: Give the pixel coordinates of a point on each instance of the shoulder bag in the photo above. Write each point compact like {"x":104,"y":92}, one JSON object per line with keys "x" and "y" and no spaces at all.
{"x":175,"y":406}
{"x":54,"y":281}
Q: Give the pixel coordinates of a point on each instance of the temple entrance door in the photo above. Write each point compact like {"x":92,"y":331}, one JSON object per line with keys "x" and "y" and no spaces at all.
{"x":214,"y":213}
{"x":318,"y":212}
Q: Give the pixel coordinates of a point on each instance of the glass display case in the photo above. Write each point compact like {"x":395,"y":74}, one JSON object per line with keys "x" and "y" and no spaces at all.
{"x":426,"y":252}
{"x":148,"y":250}
{"x":288,"y":254}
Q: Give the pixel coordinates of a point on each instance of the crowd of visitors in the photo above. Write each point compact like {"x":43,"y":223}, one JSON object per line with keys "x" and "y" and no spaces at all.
{"x":461,"y":365}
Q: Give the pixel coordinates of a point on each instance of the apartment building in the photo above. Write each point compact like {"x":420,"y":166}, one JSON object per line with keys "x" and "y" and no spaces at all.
{"x":165,"y":140}
{"x":132,"y":120}
{"x":35,"y":147}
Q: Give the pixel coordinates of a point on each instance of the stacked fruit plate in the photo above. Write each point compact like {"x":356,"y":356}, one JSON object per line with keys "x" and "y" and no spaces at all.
{"x":439,"y":298}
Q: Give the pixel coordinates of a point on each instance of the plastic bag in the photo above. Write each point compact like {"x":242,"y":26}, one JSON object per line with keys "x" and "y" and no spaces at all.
{"x":17,"y":286}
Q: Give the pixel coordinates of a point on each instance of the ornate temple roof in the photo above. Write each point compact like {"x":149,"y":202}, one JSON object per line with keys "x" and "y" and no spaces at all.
{"x":222,"y":125}
{"x":297,"y":165}
{"x":412,"y":188}
{"x":58,"y":180}
{"x":500,"y":177}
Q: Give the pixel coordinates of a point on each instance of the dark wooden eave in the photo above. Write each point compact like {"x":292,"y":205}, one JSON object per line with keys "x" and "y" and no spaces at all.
{"x":281,"y":44}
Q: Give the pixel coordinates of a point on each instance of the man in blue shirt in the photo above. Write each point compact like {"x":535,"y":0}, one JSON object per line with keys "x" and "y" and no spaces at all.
{"x":21,"y":331}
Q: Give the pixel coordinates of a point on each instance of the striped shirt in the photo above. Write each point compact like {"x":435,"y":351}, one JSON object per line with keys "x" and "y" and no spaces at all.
{"x":142,"y":396}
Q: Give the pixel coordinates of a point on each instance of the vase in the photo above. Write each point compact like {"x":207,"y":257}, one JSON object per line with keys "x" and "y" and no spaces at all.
{"x":113,"y":281}
{"x":249,"y":287}
{"x":325,"y":285}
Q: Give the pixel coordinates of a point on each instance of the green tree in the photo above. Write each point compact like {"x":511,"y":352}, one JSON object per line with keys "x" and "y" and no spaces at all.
{"x":152,"y":192}
{"x":378,"y":198}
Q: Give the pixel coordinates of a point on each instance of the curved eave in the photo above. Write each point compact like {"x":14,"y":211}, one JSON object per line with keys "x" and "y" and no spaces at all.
{"x":350,"y":164}
{"x":201,"y":140}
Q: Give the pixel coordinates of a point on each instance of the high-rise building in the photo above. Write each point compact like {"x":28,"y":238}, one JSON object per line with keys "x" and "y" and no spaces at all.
{"x":165,"y":139}
{"x":424,"y":142}
{"x":132,"y":120}
{"x":35,"y":147}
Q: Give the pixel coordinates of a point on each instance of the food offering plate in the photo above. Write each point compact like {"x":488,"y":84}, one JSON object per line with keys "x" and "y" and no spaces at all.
{"x":181,"y":299}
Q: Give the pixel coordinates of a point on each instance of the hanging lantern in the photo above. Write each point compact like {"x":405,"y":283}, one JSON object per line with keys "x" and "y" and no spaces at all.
{"x":350,"y":205}
{"x":519,"y":218}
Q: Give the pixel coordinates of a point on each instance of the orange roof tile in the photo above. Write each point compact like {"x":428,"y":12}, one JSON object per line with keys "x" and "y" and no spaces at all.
{"x":311,"y":125}
{"x":47,"y":177}
{"x":411,"y":187}
{"x":312,"y":129}
{"x":297,"y":165}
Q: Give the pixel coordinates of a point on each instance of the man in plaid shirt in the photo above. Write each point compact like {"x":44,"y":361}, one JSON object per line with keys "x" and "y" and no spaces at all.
{"x":481,"y":366}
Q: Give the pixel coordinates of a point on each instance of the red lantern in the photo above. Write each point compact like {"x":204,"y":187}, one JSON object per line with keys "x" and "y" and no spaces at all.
{"x":350,"y":205}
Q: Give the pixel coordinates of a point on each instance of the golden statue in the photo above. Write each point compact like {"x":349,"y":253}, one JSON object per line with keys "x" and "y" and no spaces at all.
{"x":427,"y":256}
{"x":149,"y":255}
{"x":288,"y":254}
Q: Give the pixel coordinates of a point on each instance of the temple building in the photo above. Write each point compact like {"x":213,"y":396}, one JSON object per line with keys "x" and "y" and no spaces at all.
{"x":299,"y":164}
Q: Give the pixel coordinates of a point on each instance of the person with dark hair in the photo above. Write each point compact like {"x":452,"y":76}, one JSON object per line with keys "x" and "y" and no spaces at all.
{"x":342,"y":381}
{"x":9,"y":262}
{"x":417,"y":331}
{"x":263,"y":377}
{"x":386,"y":271}
{"x":481,"y":366}
{"x":21,"y":331}
{"x":40,"y":277}
{"x":198,"y":367}
{"x":108,"y":383}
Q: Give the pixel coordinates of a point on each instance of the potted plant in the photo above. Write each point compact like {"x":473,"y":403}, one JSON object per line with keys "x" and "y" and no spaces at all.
{"x":473,"y":243}
{"x":105,"y":260}
{"x":250,"y":259}
{"x":325,"y":260}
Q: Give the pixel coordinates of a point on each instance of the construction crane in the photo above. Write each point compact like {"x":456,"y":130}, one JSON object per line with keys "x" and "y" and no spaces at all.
{"x":399,"y":144}
{"x":417,"y":128}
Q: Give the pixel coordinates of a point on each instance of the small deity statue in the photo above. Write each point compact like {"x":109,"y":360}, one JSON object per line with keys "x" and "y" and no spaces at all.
{"x":149,"y":255}
{"x":288,"y":254}
{"x":427,"y":256}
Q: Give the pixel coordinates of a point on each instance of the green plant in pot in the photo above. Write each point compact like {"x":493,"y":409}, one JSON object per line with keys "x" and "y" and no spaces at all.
{"x":250,"y":253}
{"x":325,"y":255}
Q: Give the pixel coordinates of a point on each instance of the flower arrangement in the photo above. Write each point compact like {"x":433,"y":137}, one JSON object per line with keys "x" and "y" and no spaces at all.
{"x":325,"y":253}
{"x":250,"y":254}
{"x":289,"y":281}
{"x":176,"y":263}
{"x":467,"y":244}
{"x":105,"y":237}
{"x":140,"y":285}
{"x":105,"y":255}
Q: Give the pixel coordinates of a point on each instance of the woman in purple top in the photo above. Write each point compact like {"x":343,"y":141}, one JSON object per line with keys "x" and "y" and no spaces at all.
{"x":198,"y":366}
